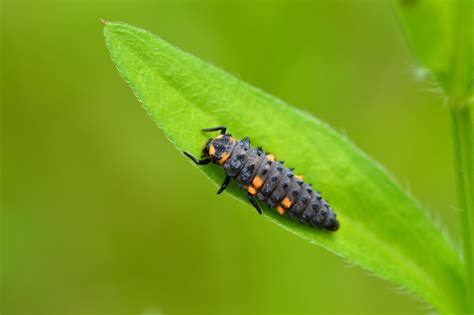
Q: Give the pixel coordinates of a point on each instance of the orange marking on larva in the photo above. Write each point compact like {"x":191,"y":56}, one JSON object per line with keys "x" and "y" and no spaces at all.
{"x":280,"y":210}
{"x":219,"y":136}
{"x":271,"y":157}
{"x":251,"y":190}
{"x":299,"y":177}
{"x":257,"y":182}
{"x":286,"y":202}
{"x":224,"y":158}
{"x":212,"y":150}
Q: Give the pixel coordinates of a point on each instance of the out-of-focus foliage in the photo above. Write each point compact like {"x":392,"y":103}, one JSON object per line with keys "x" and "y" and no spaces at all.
{"x":382,"y":228}
{"x":441,"y":34}
{"x":101,"y":214}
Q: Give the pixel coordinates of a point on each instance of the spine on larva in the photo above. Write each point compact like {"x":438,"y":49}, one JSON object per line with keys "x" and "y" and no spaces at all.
{"x":278,"y":186}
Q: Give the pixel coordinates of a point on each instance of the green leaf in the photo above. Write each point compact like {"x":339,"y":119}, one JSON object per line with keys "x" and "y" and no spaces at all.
{"x":441,"y":36}
{"x":382,"y":228}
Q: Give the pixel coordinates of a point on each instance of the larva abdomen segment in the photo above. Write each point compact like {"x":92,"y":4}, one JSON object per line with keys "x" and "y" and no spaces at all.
{"x":277,"y":186}
{"x":300,"y":205}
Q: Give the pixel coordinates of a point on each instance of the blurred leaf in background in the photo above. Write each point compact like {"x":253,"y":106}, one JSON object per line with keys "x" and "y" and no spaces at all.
{"x":446,"y":48}
{"x":441,"y":35}
{"x":101,"y":214}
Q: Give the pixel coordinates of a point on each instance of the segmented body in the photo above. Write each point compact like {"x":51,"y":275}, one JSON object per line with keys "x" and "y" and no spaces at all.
{"x":267,"y":179}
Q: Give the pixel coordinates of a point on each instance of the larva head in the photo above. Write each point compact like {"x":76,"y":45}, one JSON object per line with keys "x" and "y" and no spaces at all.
{"x":219,"y":148}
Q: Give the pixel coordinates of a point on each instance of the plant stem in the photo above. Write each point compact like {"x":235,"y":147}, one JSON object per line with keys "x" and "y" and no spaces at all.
{"x":460,"y":101}
{"x":463,"y":141}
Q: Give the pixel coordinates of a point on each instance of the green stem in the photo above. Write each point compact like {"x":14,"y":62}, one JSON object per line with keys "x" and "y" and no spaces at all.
{"x":459,"y":95}
{"x":463,"y":141}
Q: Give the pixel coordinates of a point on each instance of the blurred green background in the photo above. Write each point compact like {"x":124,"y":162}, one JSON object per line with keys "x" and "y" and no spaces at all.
{"x":100,"y":213}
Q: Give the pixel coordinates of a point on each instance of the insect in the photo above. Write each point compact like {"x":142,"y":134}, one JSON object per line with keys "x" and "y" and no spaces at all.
{"x":266,"y":179}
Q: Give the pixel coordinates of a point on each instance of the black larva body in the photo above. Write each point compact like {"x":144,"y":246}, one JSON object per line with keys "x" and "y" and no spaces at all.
{"x":268,"y":180}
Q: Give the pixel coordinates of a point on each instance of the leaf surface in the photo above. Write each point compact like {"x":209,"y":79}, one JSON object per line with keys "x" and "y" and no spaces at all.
{"x":383,"y":229}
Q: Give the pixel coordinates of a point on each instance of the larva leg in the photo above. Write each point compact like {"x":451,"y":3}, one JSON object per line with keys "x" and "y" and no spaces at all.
{"x":224,"y":184}
{"x":198,"y":162}
{"x":221,"y":128}
{"x":254,"y":203}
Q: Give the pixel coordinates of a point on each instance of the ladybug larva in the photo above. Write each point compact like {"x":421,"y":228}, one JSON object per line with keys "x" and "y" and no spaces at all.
{"x":266,"y":179}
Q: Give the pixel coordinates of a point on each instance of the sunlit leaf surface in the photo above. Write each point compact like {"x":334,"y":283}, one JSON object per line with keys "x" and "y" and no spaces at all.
{"x":382,"y":228}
